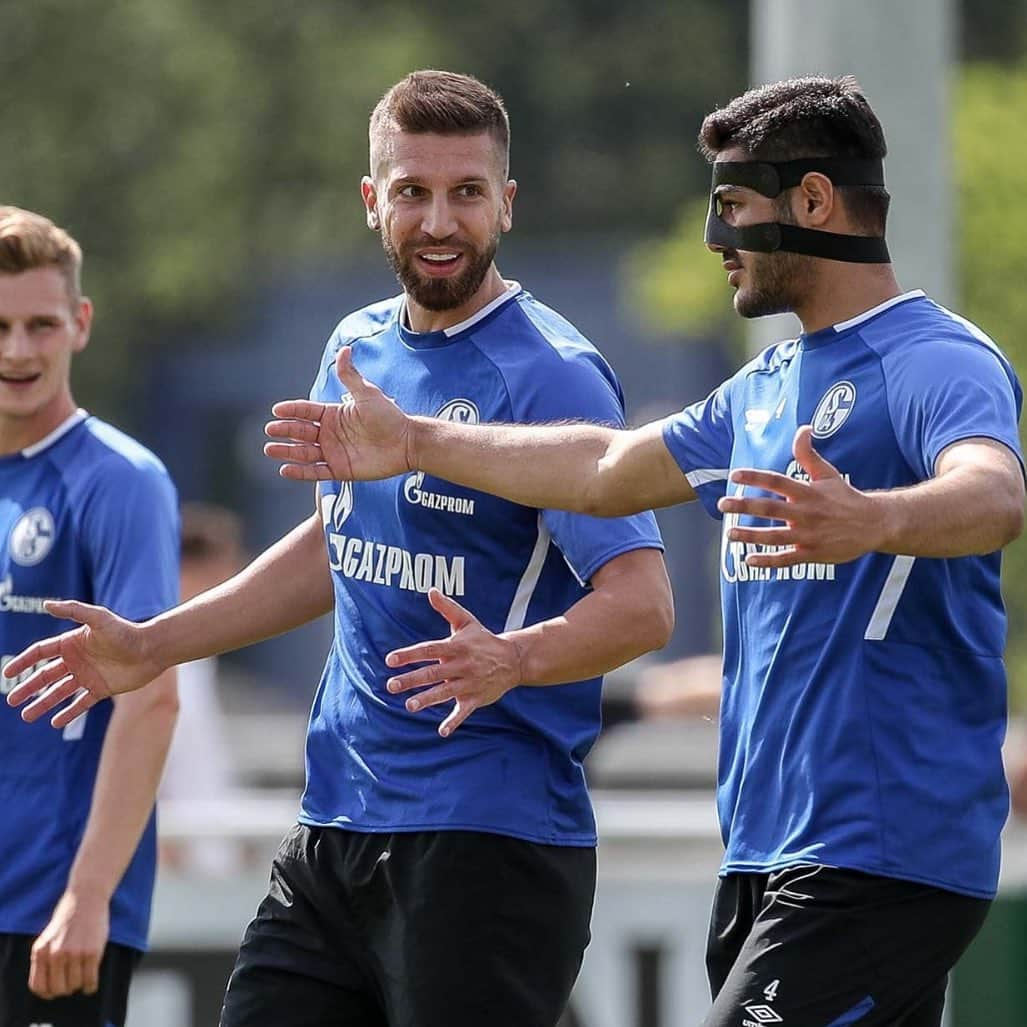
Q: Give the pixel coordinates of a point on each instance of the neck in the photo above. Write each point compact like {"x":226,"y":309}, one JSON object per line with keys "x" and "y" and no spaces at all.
{"x":421,"y":319}
{"x":843,"y":291}
{"x":18,"y":433}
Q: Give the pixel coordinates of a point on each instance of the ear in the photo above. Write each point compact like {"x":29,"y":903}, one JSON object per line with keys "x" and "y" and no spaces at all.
{"x":509,"y":192}
{"x":816,"y":200}
{"x":370,"y":195}
{"x":83,"y":325}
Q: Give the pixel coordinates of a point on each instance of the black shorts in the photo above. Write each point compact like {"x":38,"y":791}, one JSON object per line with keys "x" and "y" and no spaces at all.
{"x":427,"y":929}
{"x":815,"y":946}
{"x":20,"y":1008}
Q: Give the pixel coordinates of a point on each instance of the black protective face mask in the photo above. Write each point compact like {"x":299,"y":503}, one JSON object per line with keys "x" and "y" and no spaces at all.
{"x":771,"y":179}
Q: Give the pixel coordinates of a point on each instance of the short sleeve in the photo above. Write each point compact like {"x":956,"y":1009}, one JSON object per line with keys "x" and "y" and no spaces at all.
{"x":700,"y":438}
{"x":131,"y":535}
{"x":581,"y":387}
{"x":941,"y":394}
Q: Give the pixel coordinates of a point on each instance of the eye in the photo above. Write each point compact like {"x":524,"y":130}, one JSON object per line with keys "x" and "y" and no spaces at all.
{"x":410,"y":192}
{"x":470,"y":190}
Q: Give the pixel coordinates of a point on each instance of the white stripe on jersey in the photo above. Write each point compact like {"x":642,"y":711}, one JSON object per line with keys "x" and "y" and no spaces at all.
{"x":529,"y":579}
{"x":704,"y":475}
{"x":891,"y":593}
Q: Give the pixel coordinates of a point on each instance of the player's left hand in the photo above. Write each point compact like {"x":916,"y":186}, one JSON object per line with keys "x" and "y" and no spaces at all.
{"x":473,"y":667}
{"x":67,"y":954}
{"x":823,"y":520}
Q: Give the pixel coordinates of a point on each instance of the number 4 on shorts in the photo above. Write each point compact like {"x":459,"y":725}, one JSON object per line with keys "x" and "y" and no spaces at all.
{"x":770,"y":991}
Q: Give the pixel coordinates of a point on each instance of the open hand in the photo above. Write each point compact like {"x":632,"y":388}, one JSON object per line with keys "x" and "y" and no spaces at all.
{"x":823,"y":520}
{"x":363,"y":438}
{"x":105,"y":656}
{"x":471,"y":668}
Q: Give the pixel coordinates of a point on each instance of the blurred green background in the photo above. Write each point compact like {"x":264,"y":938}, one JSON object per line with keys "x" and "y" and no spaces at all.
{"x":202,"y":150}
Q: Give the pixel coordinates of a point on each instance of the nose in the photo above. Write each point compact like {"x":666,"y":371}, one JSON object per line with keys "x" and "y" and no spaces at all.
{"x":715,"y":247}
{"x":439,"y":221}
{"x":15,"y":344}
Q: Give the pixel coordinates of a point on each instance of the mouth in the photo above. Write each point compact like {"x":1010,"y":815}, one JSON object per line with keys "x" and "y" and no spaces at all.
{"x":734,"y":272}
{"x":439,"y":263}
{"x":19,"y":381}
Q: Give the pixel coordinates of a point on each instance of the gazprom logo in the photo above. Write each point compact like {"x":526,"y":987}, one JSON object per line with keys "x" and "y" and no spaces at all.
{"x":834,"y":409}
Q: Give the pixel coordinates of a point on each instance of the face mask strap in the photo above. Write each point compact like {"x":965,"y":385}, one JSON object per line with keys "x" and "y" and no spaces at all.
{"x":770,"y":179}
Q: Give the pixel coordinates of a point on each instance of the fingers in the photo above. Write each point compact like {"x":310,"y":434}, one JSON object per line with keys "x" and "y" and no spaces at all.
{"x":53,"y":696}
{"x":770,"y":481}
{"x":84,"y":701}
{"x":72,"y":609}
{"x":782,"y":558}
{"x":446,"y":692}
{"x":457,"y":616}
{"x":299,"y":431}
{"x":306,"y":472}
{"x":419,"y":678}
{"x":349,"y":376}
{"x":294,"y":453}
{"x":756,"y":506}
{"x":39,"y":974}
{"x":417,"y":653}
{"x":461,"y":711}
{"x":298,"y":410}
{"x":91,"y":973}
{"x":764,"y":536}
{"x":49,"y":673}
{"x":45,"y":650}
{"x":808,"y":458}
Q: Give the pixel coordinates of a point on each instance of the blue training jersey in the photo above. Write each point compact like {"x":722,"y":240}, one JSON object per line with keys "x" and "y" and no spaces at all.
{"x":864,"y":704}
{"x":86,"y":513}
{"x":514,"y":767}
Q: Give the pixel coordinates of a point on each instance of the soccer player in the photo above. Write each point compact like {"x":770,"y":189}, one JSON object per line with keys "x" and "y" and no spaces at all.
{"x":443,"y":869}
{"x":868,"y":473}
{"x":85,"y":513}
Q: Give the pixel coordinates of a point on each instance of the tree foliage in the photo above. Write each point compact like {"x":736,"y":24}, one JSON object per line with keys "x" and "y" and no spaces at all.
{"x":197,"y":149}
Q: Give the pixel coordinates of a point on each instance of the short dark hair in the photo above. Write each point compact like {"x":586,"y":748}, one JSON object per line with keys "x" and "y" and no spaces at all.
{"x":805,"y":117}
{"x":443,"y":103}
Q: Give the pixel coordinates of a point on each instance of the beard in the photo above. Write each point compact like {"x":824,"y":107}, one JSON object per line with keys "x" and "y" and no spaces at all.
{"x":778,"y":283}
{"x":441,"y":293}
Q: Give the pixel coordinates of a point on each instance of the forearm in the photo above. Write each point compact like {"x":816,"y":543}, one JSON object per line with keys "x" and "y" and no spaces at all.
{"x":130,"y":767}
{"x":554,"y":466}
{"x":964,"y":512}
{"x":585,"y":468}
{"x":615,"y":623}
{"x":286,"y":586}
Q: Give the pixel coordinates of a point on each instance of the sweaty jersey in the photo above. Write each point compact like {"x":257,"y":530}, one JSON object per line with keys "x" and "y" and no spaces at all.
{"x":86,"y":513}
{"x":514,"y":767}
{"x":864,"y":704}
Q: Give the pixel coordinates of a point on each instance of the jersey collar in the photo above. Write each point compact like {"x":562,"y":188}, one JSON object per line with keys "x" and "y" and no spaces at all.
{"x":424,"y":340}
{"x":58,"y":433}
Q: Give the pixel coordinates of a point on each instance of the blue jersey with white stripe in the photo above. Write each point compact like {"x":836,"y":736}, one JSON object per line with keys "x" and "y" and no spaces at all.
{"x":514,"y":767}
{"x":864,"y":704}
{"x":89,"y":514}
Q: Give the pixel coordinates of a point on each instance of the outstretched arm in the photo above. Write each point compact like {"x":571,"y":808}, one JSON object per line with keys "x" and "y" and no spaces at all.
{"x":581,"y":467}
{"x":286,"y":586}
{"x":66,"y":956}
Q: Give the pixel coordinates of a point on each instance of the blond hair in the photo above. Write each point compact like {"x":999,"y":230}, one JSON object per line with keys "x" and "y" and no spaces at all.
{"x":29,"y":241}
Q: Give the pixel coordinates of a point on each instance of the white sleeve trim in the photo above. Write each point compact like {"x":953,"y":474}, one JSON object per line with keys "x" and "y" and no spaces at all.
{"x":704,"y":475}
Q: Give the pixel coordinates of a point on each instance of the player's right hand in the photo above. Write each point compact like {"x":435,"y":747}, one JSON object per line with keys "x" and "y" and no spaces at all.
{"x":103,"y":657}
{"x":363,"y":438}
